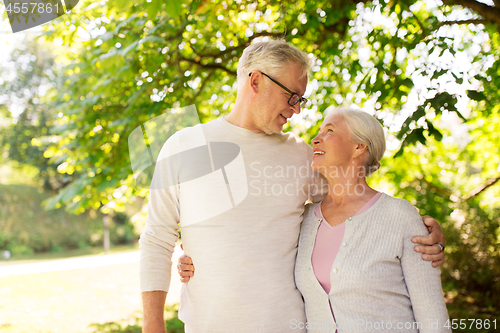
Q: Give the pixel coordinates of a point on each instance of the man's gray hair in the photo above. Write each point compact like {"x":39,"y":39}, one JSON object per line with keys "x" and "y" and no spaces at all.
{"x":271,"y":57}
{"x":366,"y":129}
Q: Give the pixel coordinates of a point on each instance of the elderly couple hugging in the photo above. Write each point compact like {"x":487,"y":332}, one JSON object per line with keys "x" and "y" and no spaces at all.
{"x":354,"y":266}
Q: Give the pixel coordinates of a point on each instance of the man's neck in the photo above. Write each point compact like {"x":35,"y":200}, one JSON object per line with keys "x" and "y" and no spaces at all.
{"x":237,"y":117}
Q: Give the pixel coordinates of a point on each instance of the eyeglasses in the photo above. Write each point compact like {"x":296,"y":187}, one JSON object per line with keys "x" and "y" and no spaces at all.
{"x":294,"y":97}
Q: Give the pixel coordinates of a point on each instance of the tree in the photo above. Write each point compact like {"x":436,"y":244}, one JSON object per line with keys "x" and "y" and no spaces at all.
{"x":419,"y":66}
{"x":28,"y":81}
{"x":140,"y":60}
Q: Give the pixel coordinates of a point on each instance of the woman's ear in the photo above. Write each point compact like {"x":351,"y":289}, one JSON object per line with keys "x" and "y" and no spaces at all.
{"x":360,"y":149}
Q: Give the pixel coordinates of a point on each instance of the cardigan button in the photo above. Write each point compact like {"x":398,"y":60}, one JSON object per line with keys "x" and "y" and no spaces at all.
{"x":344,"y":244}
{"x":349,"y":218}
{"x":335,"y":270}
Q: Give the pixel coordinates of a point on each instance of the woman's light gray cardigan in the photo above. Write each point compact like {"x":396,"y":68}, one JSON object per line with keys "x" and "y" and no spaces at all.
{"x":378,"y":282}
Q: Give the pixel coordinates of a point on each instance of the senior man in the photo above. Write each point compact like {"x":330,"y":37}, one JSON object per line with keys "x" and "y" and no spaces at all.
{"x":244,"y":254}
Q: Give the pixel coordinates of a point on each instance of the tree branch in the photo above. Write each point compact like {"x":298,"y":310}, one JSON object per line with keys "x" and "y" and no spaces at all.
{"x":472,"y":21}
{"x":212,"y":55}
{"x":241,"y":45}
{"x":444,"y":192}
{"x":208,"y":66}
{"x":489,"y":13}
{"x":425,"y":31}
{"x":218,"y":54}
{"x":264,"y":34}
{"x":481,"y":188}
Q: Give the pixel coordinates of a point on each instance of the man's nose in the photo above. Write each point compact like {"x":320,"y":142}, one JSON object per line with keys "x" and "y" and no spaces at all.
{"x":295,"y":108}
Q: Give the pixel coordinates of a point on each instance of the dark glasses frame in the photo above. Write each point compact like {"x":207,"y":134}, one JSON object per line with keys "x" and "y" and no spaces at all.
{"x":294,"y":97}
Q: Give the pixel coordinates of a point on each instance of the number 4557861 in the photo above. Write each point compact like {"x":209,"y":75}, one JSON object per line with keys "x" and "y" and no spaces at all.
{"x":32,"y":7}
{"x":471,"y":323}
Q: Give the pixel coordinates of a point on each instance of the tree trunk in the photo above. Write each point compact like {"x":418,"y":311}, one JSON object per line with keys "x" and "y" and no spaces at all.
{"x":106,"y":221}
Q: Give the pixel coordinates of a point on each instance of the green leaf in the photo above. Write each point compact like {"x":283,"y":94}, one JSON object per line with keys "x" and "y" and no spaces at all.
{"x":107,"y":184}
{"x":153,"y":8}
{"x":129,"y":48}
{"x":476,"y":95}
{"x":433,"y":131}
{"x":438,"y":73}
{"x":173,"y":8}
{"x":120,"y":122}
{"x":419,"y":113}
{"x":460,"y":115}
{"x":154,"y":39}
{"x":459,"y":80}
{"x":408,"y":82}
{"x":122,"y":5}
{"x":108,"y":35}
{"x":417,"y":135}
{"x":443,"y":101}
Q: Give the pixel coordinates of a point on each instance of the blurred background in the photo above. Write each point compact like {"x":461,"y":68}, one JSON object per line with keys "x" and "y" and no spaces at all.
{"x":73,"y":89}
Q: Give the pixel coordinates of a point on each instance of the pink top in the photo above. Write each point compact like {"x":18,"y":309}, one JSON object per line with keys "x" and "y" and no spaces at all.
{"x":328,"y":242}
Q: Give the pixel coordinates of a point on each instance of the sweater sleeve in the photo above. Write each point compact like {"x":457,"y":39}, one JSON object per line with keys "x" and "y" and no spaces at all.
{"x":158,"y":239}
{"x":422,"y":280}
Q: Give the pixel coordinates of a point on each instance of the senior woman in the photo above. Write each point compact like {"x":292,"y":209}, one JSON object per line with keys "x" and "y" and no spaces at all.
{"x":356,"y":267}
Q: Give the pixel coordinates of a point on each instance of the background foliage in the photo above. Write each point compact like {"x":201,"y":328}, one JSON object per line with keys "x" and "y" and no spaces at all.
{"x":27,"y":228}
{"x":429,"y":70}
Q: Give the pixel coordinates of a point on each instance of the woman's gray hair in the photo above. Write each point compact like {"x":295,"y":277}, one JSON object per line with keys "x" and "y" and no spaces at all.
{"x":271,"y":57}
{"x":366,"y":129}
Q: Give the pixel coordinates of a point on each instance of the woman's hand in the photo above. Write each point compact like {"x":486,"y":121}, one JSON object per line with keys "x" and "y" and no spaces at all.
{"x":432,"y":252}
{"x":185,"y":267}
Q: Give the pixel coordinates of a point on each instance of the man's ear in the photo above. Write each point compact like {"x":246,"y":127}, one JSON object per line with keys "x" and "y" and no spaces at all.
{"x":255,"y":80}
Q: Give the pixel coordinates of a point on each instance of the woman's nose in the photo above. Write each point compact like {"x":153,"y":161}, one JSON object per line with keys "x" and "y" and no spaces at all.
{"x":315,"y":140}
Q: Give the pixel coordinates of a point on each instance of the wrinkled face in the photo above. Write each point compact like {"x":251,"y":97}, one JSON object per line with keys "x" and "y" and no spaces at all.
{"x":333,"y":147}
{"x":273,"y":110}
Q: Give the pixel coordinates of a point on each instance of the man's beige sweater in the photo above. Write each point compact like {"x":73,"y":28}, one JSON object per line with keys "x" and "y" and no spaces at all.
{"x":240,"y":211}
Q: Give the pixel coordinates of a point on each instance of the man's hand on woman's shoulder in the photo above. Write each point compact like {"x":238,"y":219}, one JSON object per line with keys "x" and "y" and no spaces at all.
{"x":432,"y":246}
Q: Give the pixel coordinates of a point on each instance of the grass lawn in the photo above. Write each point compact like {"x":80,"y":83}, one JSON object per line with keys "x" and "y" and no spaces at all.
{"x":107,"y":299}
{"x":100,"y":299}
{"x":68,"y":301}
{"x":89,"y":251}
